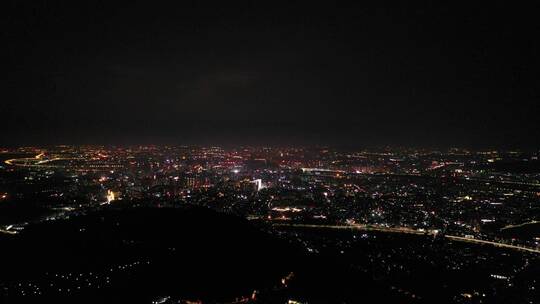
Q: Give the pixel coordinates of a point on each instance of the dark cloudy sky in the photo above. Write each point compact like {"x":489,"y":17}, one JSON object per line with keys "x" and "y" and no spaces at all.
{"x":370,"y":74}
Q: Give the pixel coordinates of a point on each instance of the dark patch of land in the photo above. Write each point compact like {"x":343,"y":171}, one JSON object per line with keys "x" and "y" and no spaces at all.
{"x":135,"y":255}
{"x":523,"y":232}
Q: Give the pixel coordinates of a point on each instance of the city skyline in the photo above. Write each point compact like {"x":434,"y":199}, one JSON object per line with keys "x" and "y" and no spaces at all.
{"x":250,"y":152}
{"x":268,"y":225}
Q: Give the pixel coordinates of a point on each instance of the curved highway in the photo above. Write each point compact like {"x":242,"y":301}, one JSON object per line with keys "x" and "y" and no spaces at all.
{"x":412,"y":231}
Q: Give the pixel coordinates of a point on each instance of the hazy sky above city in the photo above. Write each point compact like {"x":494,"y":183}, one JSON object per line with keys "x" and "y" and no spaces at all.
{"x":371,"y":74}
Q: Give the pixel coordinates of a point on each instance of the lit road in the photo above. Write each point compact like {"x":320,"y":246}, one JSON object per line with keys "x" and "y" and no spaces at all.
{"x":520,"y":225}
{"x":411,"y":231}
{"x":37,"y":161}
{"x":32,"y":162}
{"x":7,"y":231}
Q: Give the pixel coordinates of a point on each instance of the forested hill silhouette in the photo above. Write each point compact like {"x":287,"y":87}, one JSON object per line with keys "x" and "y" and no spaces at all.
{"x":136,"y":255}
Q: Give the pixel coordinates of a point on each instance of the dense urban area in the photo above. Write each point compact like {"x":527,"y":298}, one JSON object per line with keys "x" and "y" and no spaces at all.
{"x":454,"y":225}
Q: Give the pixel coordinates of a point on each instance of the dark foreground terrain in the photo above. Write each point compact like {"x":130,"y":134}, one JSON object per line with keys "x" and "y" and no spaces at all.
{"x":143,"y":255}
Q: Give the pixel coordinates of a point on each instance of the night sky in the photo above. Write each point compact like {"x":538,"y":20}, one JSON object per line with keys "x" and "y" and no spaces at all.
{"x":372,"y":74}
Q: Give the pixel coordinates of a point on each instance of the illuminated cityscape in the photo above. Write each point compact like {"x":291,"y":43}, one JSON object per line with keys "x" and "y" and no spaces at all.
{"x":451,"y":210}
{"x":258,"y":152}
